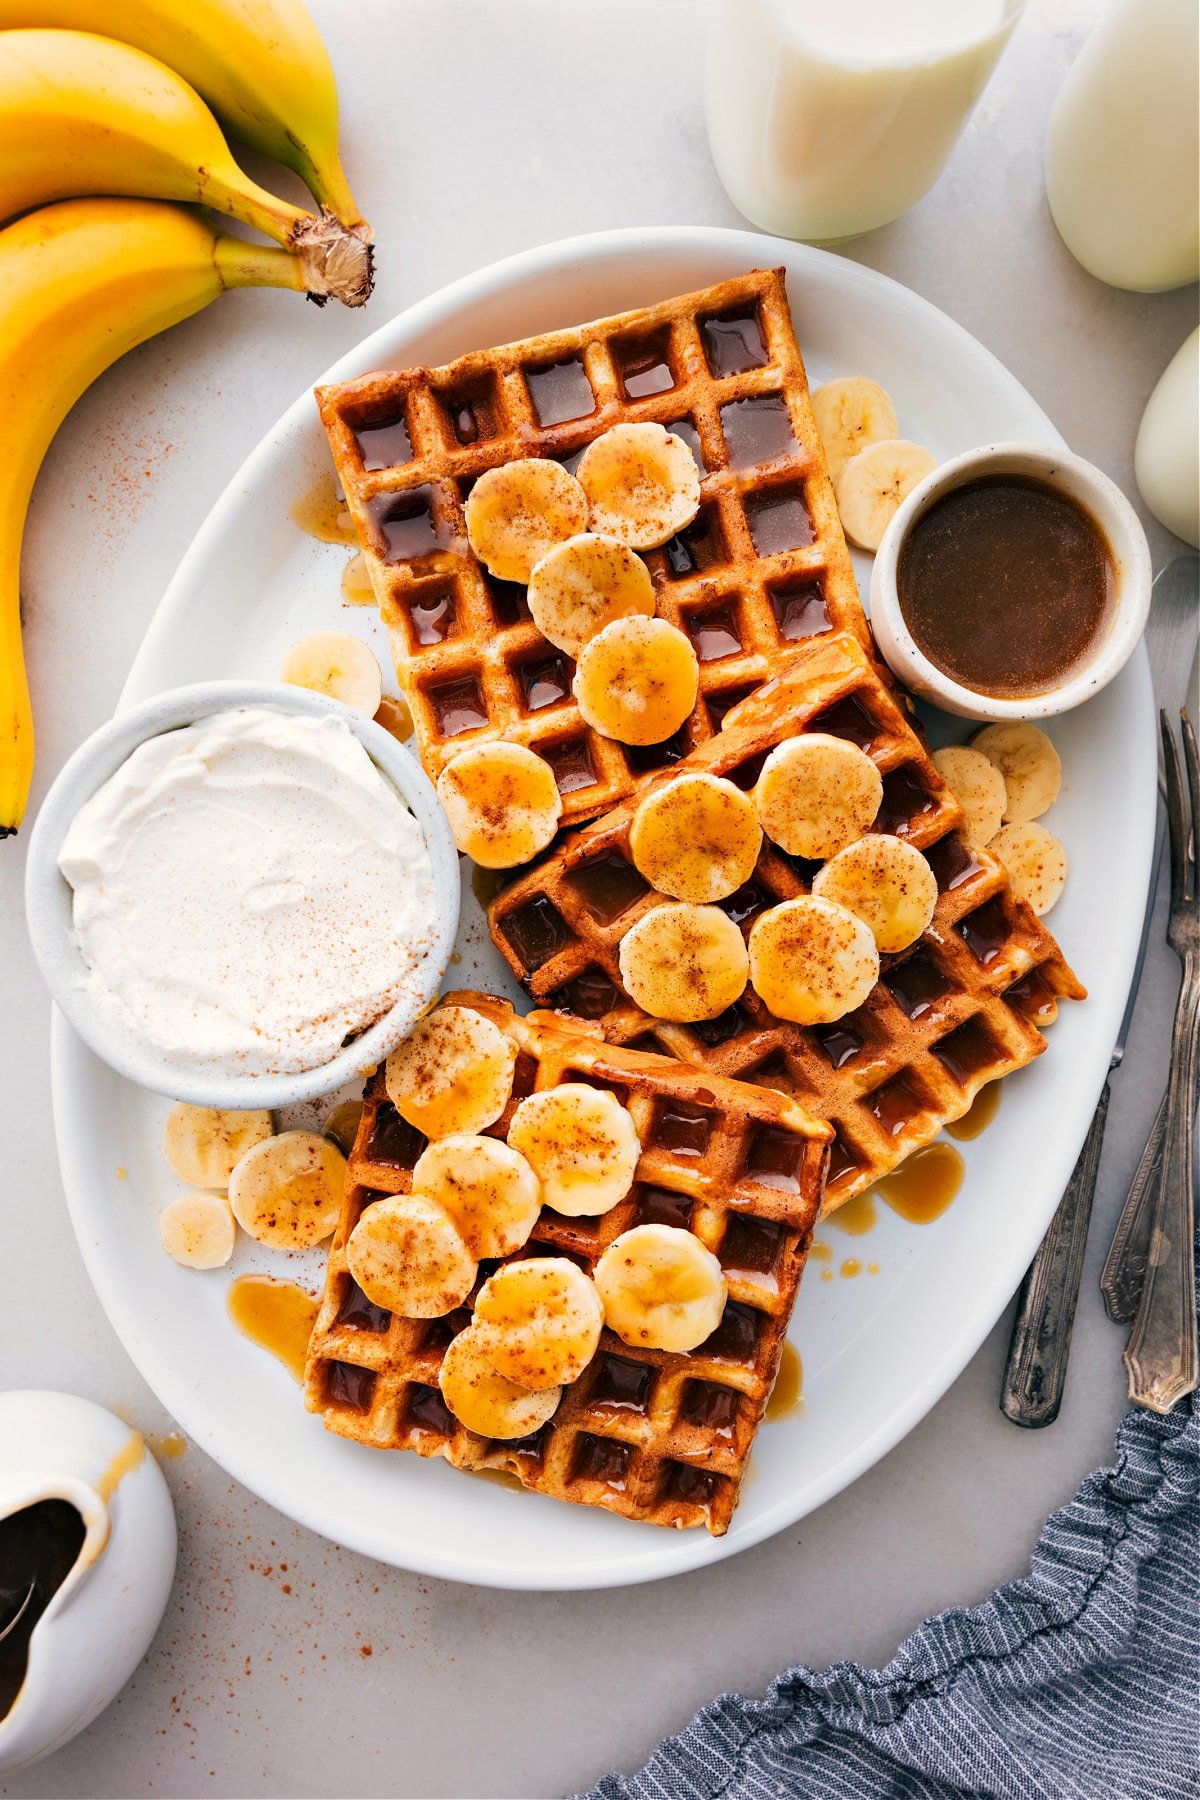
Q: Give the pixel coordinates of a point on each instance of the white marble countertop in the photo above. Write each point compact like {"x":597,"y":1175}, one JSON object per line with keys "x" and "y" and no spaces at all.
{"x":285,"y":1665}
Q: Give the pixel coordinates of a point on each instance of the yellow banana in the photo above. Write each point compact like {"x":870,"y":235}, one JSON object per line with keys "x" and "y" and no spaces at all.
{"x":260,"y":64}
{"x":81,"y":114}
{"x":81,"y":283}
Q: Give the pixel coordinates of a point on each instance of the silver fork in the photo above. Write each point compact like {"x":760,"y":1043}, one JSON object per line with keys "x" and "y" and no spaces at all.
{"x":1161,"y":1355}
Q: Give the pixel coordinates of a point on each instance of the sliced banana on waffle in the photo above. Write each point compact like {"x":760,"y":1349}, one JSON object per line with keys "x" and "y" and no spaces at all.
{"x":637,"y":680}
{"x":287,"y":1191}
{"x":1029,"y":764}
{"x":661,"y":1288}
{"x":696,"y":838}
{"x":977,"y":785}
{"x":502,"y":802}
{"x":485,"y":1401}
{"x":453,"y":1072}
{"x":407,"y":1256}
{"x":336,"y":664}
{"x":872,"y":486}
{"x":812,"y":961}
{"x":343,"y":1123}
{"x":538,"y":1321}
{"x":198,"y":1230}
{"x":884,"y":882}
{"x":816,"y":794}
{"x":517,"y":513}
{"x":582,"y":1145}
{"x":851,"y":412}
{"x":488,"y":1189}
{"x":642,"y":484}
{"x":684,"y":962}
{"x":1035,"y":860}
{"x":583,"y":585}
{"x":204,"y":1144}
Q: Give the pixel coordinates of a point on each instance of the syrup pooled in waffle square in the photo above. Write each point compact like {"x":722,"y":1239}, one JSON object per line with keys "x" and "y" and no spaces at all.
{"x":762,"y":567}
{"x":650,"y":1434}
{"x":965,"y":1005}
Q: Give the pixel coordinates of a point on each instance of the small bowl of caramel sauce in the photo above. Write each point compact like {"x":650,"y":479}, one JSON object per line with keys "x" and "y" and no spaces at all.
{"x":1014,"y":582}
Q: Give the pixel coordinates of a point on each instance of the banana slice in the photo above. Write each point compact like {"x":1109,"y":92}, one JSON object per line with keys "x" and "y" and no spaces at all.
{"x":334,"y":663}
{"x":812,"y":961}
{"x":661,"y":1288}
{"x":502,"y":802}
{"x":852,"y":412}
{"x":1029,"y":764}
{"x":204,"y":1144}
{"x":637,"y":680}
{"x":886,"y":883}
{"x":198,"y":1230}
{"x":696,"y":839}
{"x":816,"y":794}
{"x":642,"y":484}
{"x":871,"y":486}
{"x":287,"y":1191}
{"x":518,"y":512}
{"x":407,"y":1255}
{"x":487,"y":1188}
{"x":538,"y":1322}
{"x":583,"y":585}
{"x":582,"y":1145}
{"x":977,"y":785}
{"x":1035,"y":860}
{"x":484,"y":1400}
{"x":684,"y":962}
{"x":453,"y":1072}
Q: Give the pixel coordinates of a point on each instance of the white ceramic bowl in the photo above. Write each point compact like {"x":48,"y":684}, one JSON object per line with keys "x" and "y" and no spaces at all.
{"x":1097,"y":495}
{"x":48,"y":896}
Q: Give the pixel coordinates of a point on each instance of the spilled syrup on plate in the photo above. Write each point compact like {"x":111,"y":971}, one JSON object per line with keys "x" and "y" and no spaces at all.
{"x":857,"y":1215}
{"x":787,"y":1396}
{"x":922,"y":1188}
{"x":321,"y":512}
{"x":978,"y":1115}
{"x":356,"y":583}
{"x":394,"y":716}
{"x":276,"y":1315}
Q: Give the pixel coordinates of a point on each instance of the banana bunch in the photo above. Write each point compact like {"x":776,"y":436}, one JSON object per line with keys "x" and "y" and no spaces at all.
{"x":109,"y":139}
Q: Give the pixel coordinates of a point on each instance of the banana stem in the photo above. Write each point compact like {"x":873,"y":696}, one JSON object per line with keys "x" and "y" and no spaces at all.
{"x":240,"y":264}
{"x":325,"y":180}
{"x":336,"y":260}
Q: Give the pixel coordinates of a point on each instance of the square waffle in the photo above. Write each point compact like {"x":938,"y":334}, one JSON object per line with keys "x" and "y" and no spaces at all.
{"x":649,"y":1434}
{"x":763,"y":566}
{"x":964,"y":1006}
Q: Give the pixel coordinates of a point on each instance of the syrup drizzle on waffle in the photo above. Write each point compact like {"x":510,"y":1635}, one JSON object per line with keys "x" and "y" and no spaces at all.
{"x":761,"y":569}
{"x":649,"y":1434}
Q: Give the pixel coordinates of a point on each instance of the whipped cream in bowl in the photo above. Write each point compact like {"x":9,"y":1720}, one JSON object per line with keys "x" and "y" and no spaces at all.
{"x":242,"y":895}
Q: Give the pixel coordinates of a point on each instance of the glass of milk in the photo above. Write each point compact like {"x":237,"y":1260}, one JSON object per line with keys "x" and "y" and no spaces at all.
{"x":829,"y":117}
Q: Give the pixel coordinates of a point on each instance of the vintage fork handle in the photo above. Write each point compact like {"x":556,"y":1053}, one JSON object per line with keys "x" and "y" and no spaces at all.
{"x":1036,"y":1369}
{"x":1124,"y":1268}
{"x":1161,"y":1357}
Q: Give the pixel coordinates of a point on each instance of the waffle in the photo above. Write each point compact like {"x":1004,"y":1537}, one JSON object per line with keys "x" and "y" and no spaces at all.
{"x":762,"y":567}
{"x":649,"y":1434}
{"x":965,"y":1005}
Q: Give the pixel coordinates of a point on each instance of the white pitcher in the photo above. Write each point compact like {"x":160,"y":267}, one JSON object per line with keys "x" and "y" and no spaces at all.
{"x":99,"y":1623}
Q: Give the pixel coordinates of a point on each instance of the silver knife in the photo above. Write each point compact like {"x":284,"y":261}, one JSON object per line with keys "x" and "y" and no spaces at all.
{"x":1041,"y":1340}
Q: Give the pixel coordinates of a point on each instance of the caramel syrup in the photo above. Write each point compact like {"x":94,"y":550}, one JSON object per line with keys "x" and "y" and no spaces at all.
{"x":978,"y":1115}
{"x":342,"y":1125}
{"x":850,"y":1268}
{"x":356,"y":582}
{"x":856,"y":1216}
{"x":39,"y":1546}
{"x":276,"y":1315}
{"x":487,"y":883}
{"x":821,"y":1253}
{"x":922,"y":1188}
{"x":321,"y":512}
{"x":168,"y":1446}
{"x":394,"y":716}
{"x":127,"y":1459}
{"x":787,"y":1395}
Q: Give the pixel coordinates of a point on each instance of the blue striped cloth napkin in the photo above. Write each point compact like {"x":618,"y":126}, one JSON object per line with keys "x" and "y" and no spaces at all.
{"x":1080,"y":1682}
